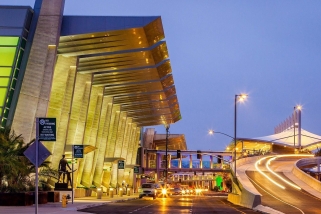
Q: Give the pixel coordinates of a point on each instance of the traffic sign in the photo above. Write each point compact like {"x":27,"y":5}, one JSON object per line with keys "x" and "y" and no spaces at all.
{"x":43,"y":153}
{"x":47,"y":129}
{"x":121,"y":164}
{"x":136,"y":169}
{"x":78,"y":151}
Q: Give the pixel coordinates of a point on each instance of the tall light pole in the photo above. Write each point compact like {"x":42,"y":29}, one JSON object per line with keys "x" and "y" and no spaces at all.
{"x":238,"y":98}
{"x":241,"y":98}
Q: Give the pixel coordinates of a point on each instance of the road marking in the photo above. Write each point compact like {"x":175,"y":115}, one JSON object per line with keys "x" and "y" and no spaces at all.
{"x":275,"y":196}
{"x":265,"y":175}
{"x":290,"y":183}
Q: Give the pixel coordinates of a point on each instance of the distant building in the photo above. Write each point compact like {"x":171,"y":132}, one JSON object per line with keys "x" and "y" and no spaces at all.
{"x":102,"y":78}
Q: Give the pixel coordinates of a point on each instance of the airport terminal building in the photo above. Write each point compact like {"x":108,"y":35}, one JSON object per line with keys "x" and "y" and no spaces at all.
{"x":102,"y":78}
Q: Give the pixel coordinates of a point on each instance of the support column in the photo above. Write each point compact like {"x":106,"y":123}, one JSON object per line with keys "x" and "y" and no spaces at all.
{"x":299,"y":129}
{"x":190,"y":162}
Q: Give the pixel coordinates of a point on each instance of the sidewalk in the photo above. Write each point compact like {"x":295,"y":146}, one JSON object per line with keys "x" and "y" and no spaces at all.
{"x":56,"y":208}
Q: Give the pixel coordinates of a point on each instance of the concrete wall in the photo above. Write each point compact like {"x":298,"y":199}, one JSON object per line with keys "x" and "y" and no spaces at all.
{"x":246,"y":195}
{"x":309,"y":180}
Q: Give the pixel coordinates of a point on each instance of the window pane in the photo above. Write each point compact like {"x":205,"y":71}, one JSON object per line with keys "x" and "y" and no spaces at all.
{"x":7,"y":55}
{"x":3,"y":93}
{"x":4,"y":81}
{"x":6,"y":40}
{"x":5,"y":71}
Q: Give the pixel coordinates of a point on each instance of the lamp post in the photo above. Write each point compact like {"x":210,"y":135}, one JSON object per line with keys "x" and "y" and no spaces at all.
{"x":241,"y":98}
{"x":238,"y":98}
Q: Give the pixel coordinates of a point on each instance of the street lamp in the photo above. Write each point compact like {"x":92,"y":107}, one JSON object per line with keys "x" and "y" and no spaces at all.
{"x":240,"y":98}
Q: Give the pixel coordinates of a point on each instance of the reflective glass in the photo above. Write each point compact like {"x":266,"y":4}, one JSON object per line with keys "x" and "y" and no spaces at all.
{"x":7,"y":55}
{"x":4,"y":81}
{"x":5,"y":71}
{"x":10,"y":41}
{"x":3,"y":93}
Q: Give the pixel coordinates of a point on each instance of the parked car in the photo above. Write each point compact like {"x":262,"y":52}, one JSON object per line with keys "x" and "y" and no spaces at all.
{"x":177,"y":191}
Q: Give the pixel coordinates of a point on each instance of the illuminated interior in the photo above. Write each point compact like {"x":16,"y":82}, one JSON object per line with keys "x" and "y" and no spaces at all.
{"x":10,"y":59}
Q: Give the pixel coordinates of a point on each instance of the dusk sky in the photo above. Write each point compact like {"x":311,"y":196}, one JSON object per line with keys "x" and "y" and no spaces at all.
{"x":268,"y":49}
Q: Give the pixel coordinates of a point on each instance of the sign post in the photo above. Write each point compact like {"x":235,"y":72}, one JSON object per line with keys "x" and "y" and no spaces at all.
{"x":77,"y":152}
{"x":45,"y":131}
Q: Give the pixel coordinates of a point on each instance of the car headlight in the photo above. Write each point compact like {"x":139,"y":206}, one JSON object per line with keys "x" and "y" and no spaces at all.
{"x":164,"y":191}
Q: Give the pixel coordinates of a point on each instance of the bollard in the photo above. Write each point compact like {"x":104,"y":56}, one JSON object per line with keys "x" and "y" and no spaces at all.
{"x":64,"y":201}
{"x":121,"y":192}
{"x":99,"y":193}
{"x":128,"y":191}
{"x":111,"y":192}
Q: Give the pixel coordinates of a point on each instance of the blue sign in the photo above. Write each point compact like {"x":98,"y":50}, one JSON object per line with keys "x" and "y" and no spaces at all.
{"x":47,"y":129}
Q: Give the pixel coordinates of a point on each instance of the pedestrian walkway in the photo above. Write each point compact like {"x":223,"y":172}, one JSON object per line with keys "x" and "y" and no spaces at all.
{"x":56,"y":208}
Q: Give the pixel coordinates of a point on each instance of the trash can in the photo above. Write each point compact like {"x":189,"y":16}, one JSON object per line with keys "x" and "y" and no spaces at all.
{"x":128,"y":191}
{"x":111,"y":192}
{"x":99,"y":193}
{"x":121,"y":192}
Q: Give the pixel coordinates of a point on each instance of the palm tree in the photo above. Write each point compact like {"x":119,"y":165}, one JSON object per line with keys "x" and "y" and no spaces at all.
{"x":15,"y":169}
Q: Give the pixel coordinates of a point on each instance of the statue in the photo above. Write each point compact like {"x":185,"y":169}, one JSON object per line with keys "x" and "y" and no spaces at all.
{"x":62,"y":169}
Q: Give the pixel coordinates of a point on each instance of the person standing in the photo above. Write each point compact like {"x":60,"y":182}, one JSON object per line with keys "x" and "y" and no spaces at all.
{"x":62,"y":168}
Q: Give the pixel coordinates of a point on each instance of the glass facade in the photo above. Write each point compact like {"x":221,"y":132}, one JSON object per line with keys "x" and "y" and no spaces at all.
{"x":11,"y":52}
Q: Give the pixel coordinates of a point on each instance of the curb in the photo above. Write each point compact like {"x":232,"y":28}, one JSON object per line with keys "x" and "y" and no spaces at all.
{"x":103,"y":203}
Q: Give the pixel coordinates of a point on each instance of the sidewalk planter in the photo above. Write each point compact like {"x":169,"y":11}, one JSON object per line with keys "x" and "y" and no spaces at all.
{"x":42,"y":197}
{"x":53,"y":196}
{"x":82,"y":192}
{"x":16,"y":199}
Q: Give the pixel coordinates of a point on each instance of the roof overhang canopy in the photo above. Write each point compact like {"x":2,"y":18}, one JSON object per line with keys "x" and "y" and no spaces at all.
{"x":175,"y":142}
{"x":286,"y":138}
{"x":131,"y":64}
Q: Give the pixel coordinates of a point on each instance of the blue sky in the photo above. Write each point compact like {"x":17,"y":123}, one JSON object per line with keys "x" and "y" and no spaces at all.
{"x":268,"y":49}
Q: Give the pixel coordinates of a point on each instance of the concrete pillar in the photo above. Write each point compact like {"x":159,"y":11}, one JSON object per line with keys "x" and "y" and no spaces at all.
{"x":190,"y":162}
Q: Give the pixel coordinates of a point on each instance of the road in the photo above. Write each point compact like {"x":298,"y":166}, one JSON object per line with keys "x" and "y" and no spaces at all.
{"x":288,"y":200}
{"x":172,"y":205}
